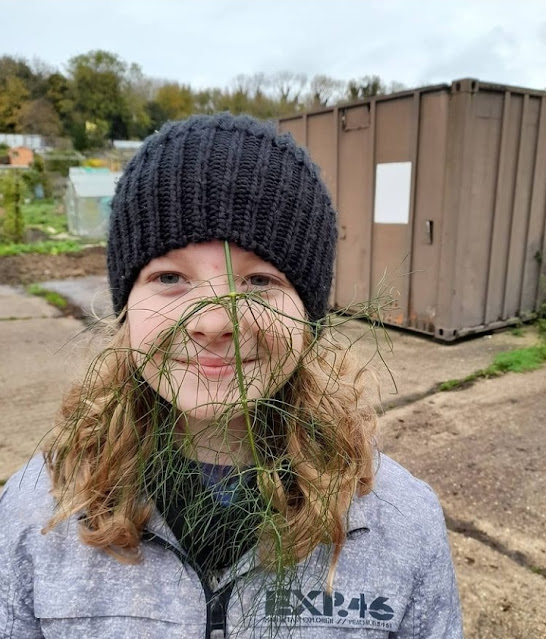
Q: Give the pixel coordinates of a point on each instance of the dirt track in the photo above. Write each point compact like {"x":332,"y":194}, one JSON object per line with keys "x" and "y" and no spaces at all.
{"x":30,"y":268}
{"x":483,"y":450}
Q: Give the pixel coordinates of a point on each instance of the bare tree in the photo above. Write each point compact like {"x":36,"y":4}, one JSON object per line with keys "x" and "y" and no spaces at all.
{"x":396,"y":86}
{"x":324,"y":88}
{"x":288,"y":85}
{"x":250,"y":85}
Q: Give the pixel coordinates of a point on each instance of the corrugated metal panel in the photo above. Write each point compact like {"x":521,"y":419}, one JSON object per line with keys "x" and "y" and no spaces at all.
{"x":355,"y":203}
{"x":428,"y":218}
{"x":461,"y":238}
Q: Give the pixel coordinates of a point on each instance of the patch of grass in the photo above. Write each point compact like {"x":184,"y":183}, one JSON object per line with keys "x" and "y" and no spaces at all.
{"x":450,"y":384}
{"x":53,"y":298}
{"x":46,"y":215}
{"x":459,"y":384}
{"x":538,"y":570}
{"x":517,"y":331}
{"x":519,"y":360}
{"x":49,"y":247}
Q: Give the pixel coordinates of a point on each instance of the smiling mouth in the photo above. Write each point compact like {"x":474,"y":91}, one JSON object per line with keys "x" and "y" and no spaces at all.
{"x":214,"y":367}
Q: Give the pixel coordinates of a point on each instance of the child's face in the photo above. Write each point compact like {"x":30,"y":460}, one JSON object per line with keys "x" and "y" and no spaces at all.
{"x":185,"y":339}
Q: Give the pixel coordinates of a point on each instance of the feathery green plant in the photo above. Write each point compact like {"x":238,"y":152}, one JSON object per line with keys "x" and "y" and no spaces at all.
{"x":150,"y":450}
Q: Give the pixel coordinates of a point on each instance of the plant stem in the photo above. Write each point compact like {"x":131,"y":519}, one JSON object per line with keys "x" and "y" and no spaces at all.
{"x":238,"y":361}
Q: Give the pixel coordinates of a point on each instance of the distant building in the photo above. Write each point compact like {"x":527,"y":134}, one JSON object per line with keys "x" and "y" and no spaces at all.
{"x":126,"y":145}
{"x":30,"y":140}
{"x":88,"y":200}
{"x":20,"y":156}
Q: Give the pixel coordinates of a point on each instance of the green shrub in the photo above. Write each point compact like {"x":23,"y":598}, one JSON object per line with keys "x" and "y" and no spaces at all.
{"x":12,"y":190}
{"x":45,"y":214}
{"x":61,"y":161}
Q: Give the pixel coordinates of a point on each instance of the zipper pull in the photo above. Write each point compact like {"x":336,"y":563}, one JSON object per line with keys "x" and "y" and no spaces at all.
{"x":214,"y":580}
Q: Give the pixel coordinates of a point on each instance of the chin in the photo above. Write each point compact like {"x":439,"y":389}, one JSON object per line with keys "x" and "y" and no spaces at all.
{"x":219,"y":408}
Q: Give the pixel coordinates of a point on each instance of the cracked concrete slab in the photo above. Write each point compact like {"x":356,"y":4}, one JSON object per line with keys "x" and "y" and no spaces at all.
{"x":39,"y":359}
{"x":16,"y":304}
{"x":91,"y":294}
{"x":500,"y":599}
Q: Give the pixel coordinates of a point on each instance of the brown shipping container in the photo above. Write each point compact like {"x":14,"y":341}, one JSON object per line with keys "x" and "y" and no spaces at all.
{"x":441,"y":194}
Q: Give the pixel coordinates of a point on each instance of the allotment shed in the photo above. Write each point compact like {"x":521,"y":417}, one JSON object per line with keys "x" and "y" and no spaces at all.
{"x":441,"y":193}
{"x":88,"y":200}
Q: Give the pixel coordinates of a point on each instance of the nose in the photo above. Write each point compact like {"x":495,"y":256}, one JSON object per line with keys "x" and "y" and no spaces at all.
{"x":213,"y":322}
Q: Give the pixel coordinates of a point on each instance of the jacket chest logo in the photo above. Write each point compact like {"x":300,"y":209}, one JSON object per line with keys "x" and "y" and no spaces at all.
{"x":318,"y":607}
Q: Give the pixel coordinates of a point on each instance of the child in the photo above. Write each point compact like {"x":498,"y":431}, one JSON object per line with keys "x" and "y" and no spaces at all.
{"x":215,"y":474}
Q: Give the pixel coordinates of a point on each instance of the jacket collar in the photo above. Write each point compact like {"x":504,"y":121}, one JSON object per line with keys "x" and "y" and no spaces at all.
{"x":158,"y":526}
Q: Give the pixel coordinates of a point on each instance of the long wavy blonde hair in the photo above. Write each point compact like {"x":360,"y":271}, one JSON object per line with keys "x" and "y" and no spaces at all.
{"x":107,"y":432}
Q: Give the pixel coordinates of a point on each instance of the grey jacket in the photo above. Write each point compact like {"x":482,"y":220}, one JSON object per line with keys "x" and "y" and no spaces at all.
{"x":394,"y":578}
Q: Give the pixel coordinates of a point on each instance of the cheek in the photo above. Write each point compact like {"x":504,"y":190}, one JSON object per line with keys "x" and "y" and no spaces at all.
{"x":142,"y":328}
{"x":146,"y":331}
{"x":281,"y":339}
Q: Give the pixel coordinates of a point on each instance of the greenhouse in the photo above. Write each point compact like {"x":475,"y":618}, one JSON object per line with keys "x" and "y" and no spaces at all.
{"x":88,"y":198}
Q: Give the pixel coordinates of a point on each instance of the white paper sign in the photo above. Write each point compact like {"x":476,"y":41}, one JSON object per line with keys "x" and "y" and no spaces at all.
{"x":392,"y":192}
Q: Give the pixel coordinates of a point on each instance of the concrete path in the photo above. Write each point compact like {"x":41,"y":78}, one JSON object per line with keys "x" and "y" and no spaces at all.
{"x":40,"y":350}
{"x":15,"y":304}
{"x":91,"y":294}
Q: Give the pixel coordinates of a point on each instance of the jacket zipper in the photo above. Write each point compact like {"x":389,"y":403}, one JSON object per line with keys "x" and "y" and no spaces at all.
{"x":217,"y":603}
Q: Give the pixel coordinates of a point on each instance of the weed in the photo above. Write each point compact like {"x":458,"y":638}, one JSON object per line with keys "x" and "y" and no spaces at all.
{"x":49,"y":247}
{"x":53,"y":298}
{"x":303,"y":399}
{"x":451,"y":384}
{"x":519,"y":360}
{"x":517,"y":331}
{"x":465,"y":382}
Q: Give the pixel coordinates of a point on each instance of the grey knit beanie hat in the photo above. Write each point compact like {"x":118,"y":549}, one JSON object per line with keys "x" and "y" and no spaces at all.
{"x":229,"y":178}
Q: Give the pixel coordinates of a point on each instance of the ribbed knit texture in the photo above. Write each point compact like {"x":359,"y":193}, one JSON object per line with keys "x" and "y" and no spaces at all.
{"x":229,"y":178}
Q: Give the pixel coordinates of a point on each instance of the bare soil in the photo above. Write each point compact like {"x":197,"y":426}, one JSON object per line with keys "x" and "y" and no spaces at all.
{"x":483,"y":451}
{"x":30,"y":268}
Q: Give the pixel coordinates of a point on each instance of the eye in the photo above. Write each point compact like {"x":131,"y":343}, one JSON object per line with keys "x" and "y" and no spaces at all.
{"x":259,"y":280}
{"x":169,"y":278}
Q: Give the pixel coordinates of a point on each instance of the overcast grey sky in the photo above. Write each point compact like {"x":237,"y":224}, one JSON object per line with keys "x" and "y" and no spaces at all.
{"x":208,"y":42}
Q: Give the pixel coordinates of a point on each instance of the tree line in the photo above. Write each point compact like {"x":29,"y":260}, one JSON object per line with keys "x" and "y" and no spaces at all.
{"x":101,"y":97}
